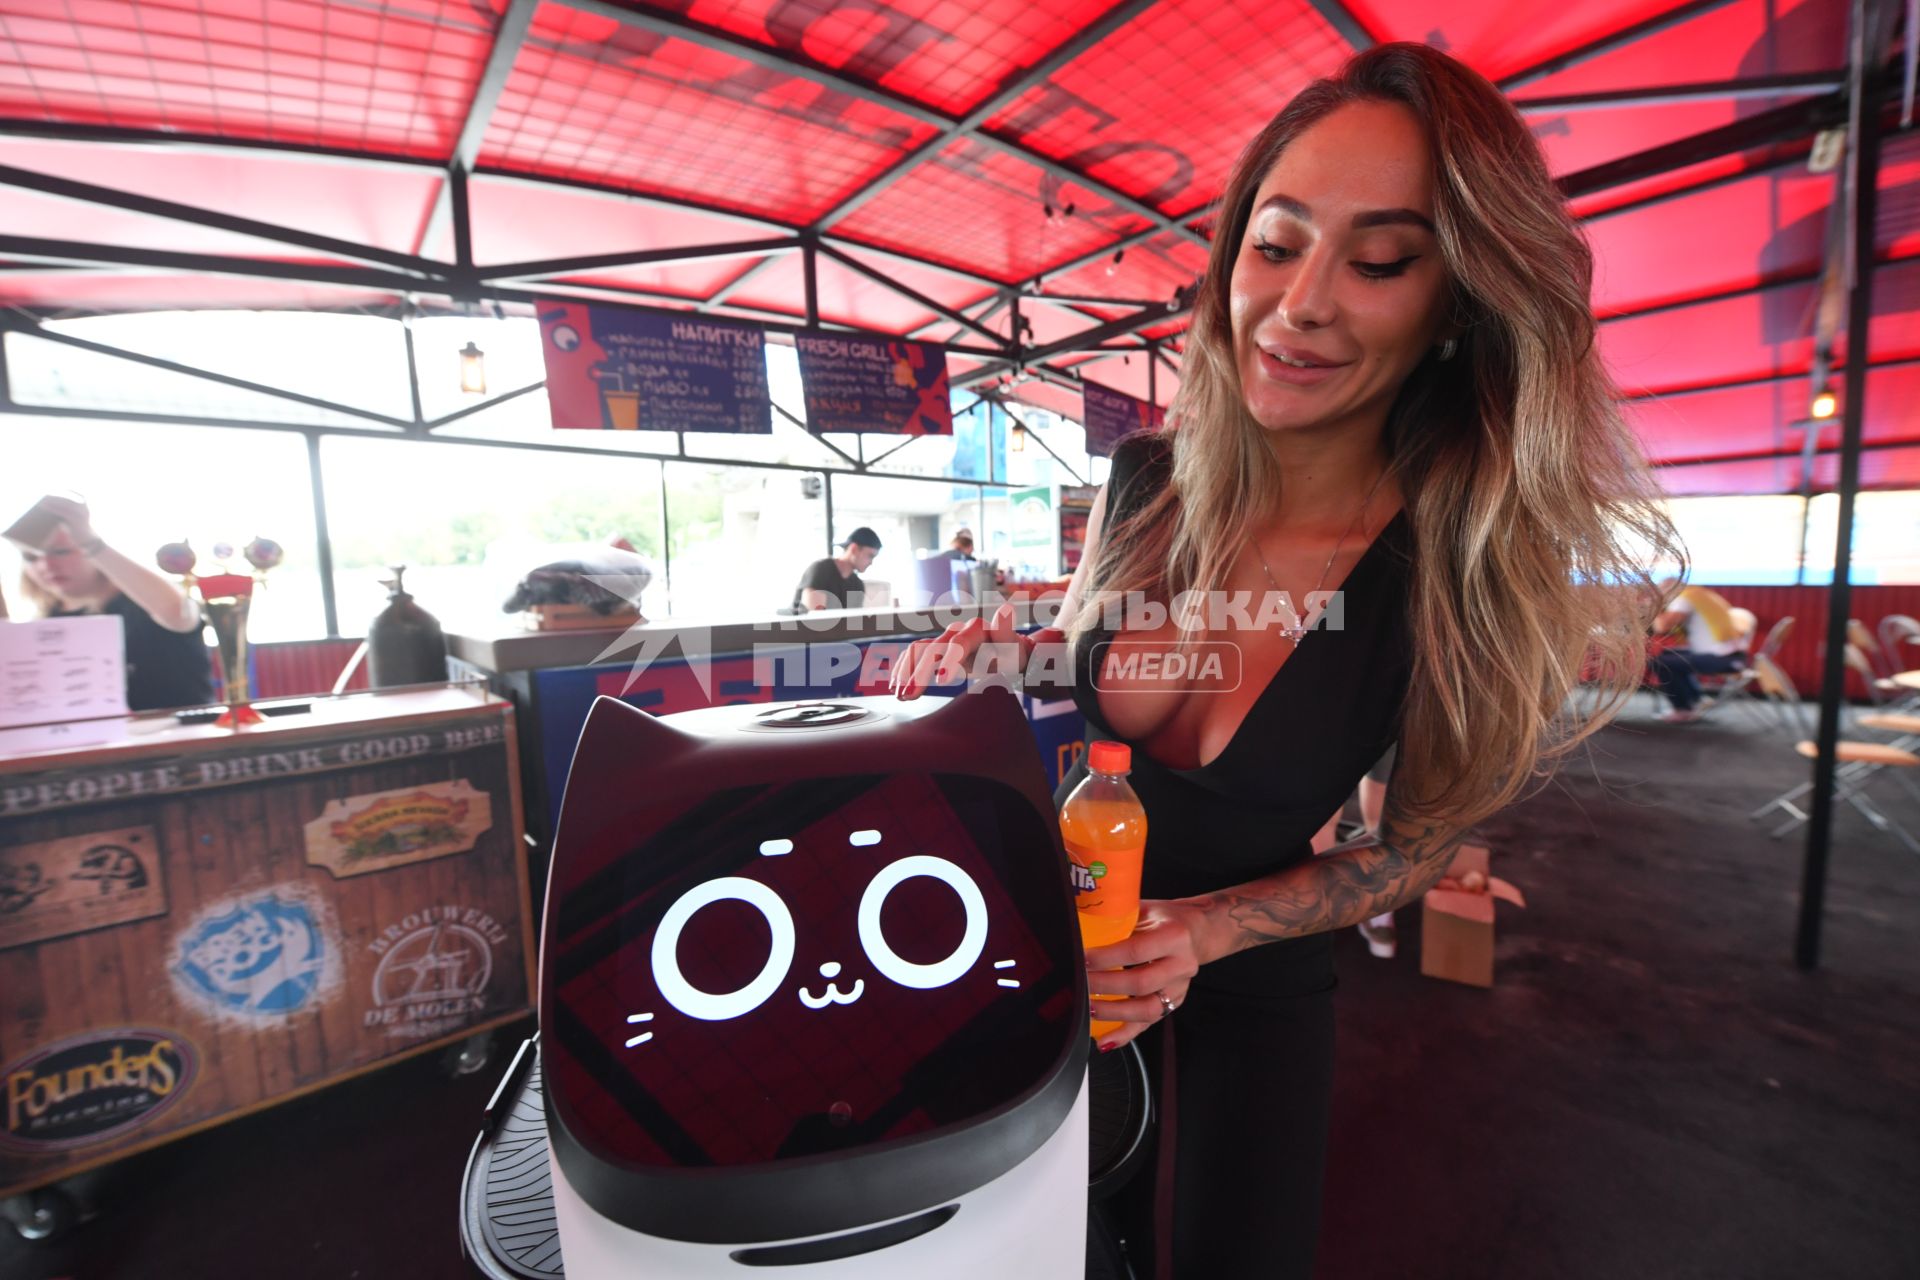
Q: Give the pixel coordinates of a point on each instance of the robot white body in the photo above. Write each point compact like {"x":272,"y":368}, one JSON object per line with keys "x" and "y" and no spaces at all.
{"x":1027,"y":1224}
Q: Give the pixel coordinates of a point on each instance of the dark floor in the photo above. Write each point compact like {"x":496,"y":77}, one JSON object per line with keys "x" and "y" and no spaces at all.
{"x":1651,"y":1090}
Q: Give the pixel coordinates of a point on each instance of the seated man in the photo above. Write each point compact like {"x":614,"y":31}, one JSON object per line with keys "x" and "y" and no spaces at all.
{"x":1716,"y":644}
{"x":834,"y":583}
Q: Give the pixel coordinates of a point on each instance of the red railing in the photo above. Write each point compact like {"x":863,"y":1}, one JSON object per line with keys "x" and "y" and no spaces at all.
{"x":1802,"y":656}
{"x":300,"y":667}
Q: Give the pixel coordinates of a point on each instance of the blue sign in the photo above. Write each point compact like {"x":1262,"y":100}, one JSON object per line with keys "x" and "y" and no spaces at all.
{"x":856,"y":383}
{"x":264,"y":958}
{"x":1110,"y":415}
{"x":622,"y":370}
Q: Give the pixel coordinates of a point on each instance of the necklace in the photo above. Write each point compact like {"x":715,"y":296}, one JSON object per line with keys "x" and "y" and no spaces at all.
{"x":1298,"y":630}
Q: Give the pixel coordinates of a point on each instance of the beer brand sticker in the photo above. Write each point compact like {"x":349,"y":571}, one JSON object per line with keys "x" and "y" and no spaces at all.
{"x":435,"y":967}
{"x":57,"y":887}
{"x":393,"y":828}
{"x":258,"y":957}
{"x":90,"y":1087}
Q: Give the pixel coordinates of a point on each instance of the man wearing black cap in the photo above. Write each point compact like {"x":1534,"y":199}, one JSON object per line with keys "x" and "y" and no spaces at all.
{"x":834,"y":583}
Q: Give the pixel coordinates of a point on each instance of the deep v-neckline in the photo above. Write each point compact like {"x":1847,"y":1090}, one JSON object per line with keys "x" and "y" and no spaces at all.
{"x":1364,"y":563}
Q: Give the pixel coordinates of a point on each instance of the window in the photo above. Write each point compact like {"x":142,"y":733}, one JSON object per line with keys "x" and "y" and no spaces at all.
{"x":469,"y":522}
{"x":358,"y":361}
{"x":148,"y":485}
{"x":914,"y":518}
{"x":1756,"y":541}
{"x":740,"y":537}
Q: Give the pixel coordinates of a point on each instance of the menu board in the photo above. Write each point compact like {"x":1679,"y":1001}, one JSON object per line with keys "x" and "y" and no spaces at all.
{"x":61,"y":669}
{"x":867,"y":384}
{"x":616,"y":369}
{"x":1109,"y":415}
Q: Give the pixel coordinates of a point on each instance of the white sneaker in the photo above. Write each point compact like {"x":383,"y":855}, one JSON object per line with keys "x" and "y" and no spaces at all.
{"x":1680,"y":717}
{"x":1382,"y":938}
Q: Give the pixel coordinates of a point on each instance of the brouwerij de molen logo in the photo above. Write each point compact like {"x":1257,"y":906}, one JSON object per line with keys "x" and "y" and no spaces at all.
{"x":435,"y":967}
{"x":88,"y":1088}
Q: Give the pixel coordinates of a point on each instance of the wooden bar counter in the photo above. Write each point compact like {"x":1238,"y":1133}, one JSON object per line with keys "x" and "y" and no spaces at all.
{"x":197,"y":923}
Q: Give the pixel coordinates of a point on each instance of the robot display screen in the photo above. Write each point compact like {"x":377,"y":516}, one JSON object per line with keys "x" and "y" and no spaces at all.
{"x":807,"y":967}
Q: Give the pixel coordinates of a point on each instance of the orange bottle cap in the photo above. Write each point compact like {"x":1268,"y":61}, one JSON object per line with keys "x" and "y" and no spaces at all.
{"x":1109,"y":757}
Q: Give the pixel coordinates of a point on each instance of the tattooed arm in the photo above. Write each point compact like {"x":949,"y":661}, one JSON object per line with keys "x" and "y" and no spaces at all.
{"x":1349,"y":883}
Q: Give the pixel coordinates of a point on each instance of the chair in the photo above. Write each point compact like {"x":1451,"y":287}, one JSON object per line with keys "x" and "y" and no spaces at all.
{"x":1897,"y":631}
{"x":1858,"y":763}
{"x":1720,"y":689}
{"x":1878,"y":686}
{"x":1900,"y":647}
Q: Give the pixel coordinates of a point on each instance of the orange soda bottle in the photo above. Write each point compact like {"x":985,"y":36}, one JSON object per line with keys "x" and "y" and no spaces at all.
{"x":1104,"y":826}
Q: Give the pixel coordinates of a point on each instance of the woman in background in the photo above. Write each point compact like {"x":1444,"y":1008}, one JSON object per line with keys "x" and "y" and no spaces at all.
{"x":73,"y":571}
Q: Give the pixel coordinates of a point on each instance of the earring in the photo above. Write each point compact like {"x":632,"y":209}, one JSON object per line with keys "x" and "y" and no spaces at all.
{"x":1449,"y":348}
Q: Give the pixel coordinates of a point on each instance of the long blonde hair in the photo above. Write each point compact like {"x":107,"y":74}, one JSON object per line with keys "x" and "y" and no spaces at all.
{"x":1533,"y":512}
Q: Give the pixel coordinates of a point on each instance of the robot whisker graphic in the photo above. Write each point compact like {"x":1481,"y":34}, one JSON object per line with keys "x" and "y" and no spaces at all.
{"x":709,"y":1006}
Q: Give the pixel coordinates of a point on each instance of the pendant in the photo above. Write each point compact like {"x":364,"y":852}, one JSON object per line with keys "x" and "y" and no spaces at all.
{"x":1294,"y":633}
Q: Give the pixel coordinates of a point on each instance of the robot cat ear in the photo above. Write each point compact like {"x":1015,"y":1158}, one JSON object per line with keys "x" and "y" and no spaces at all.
{"x":618,"y":734}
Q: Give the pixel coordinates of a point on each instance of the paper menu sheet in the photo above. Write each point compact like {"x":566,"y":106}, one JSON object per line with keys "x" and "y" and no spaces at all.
{"x":61,"y":669}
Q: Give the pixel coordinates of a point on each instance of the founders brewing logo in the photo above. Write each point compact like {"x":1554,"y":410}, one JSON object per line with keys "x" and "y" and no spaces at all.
{"x":88,"y":1088}
{"x":434,"y":968}
{"x":261,"y":955}
{"x":392,"y":828}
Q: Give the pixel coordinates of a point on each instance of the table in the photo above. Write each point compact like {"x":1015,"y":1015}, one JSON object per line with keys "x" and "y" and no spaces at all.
{"x":197,"y":923}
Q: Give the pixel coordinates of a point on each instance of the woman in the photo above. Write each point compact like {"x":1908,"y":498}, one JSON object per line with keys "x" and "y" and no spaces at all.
{"x":1392,"y":390}
{"x":74,"y":571}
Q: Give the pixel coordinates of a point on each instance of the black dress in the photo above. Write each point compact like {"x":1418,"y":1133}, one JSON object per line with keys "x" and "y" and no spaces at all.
{"x":165,"y":669}
{"x":1245,"y":1066}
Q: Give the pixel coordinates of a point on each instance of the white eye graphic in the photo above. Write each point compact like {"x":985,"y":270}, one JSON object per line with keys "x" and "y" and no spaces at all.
{"x":705,"y":1005}
{"x":873,"y":941}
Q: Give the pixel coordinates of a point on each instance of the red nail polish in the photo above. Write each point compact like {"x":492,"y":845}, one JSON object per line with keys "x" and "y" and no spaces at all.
{"x":1108,"y":1047}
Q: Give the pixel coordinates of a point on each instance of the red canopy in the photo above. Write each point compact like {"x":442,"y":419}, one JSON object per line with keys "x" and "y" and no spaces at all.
{"x":934,"y":167}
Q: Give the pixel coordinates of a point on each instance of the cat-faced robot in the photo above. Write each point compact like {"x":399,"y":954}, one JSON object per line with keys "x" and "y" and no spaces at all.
{"x":812,"y":997}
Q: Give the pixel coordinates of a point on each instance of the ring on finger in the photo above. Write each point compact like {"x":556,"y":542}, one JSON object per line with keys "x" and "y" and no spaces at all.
{"x":1166,"y":1003}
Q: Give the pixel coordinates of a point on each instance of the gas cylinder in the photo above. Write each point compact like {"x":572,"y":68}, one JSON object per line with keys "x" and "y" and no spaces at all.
{"x":404,"y":643}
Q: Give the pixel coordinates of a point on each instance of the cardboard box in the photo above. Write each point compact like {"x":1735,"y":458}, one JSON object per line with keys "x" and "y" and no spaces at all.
{"x":1456,"y":920}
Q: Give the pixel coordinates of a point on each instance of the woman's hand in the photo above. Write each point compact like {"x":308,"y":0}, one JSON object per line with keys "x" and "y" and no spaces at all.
{"x":74,"y":515}
{"x":1166,"y":950}
{"x":974,"y":647}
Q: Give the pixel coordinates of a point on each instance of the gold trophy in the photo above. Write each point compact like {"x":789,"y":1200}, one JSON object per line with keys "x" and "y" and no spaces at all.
{"x":225,"y":598}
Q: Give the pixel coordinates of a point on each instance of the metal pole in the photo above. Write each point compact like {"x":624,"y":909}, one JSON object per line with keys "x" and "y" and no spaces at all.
{"x":666,"y":540}
{"x":1863,"y":181}
{"x":1153,"y":372}
{"x":323,"y":539}
{"x":462,"y":229}
{"x":413,"y":369}
{"x":810,"y":262}
{"x":826,"y":490}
